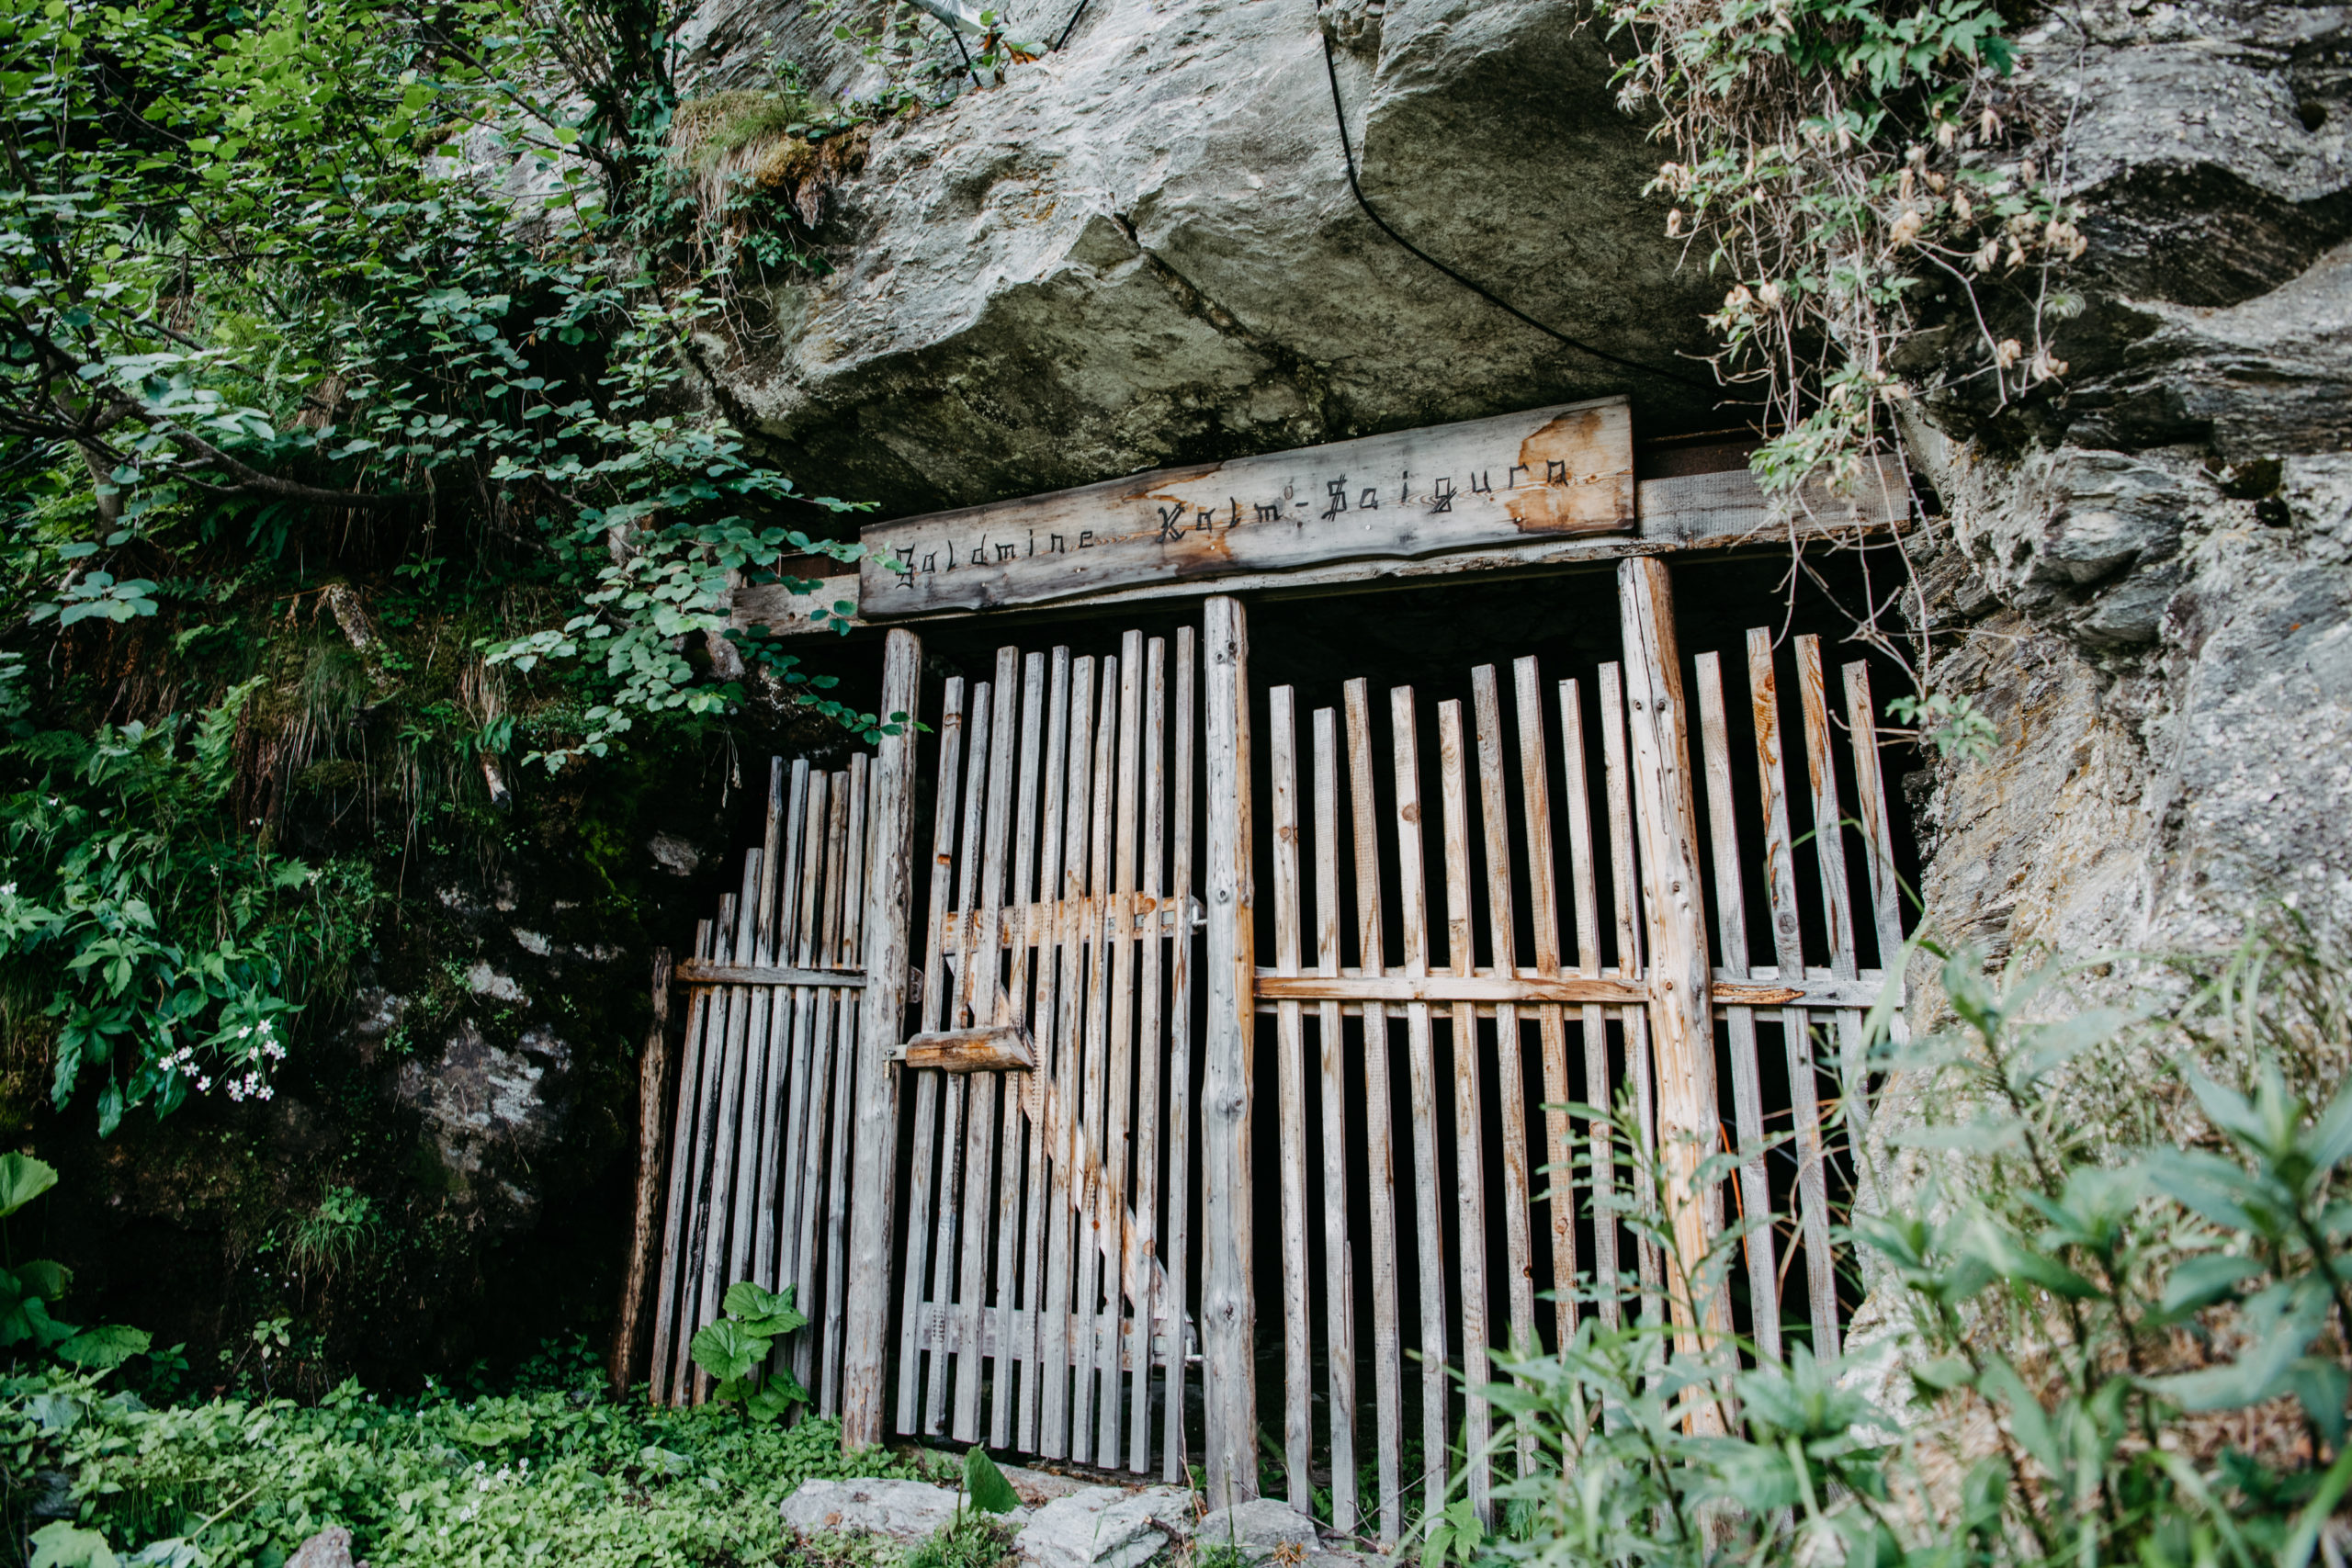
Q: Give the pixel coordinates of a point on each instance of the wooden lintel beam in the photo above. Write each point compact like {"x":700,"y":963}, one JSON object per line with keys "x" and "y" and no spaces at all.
{"x":1353,"y":990}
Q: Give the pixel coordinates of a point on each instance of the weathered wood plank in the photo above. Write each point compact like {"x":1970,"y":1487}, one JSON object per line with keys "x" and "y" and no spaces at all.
{"x":1886,"y":894}
{"x":930,"y":1006}
{"x":712,"y":1218}
{"x":1469,"y":1118}
{"x":1228,"y":1305}
{"x":1543,"y":898}
{"x":1120,"y":1042}
{"x":883,"y":931}
{"x":652,"y":1077}
{"x":1380,"y":1175}
{"x":1437,"y":1427}
{"x":1781,"y":886}
{"x":1148,"y":1044}
{"x":1339,"y":1266}
{"x":1681,"y":975}
{"x":1054,"y":1435}
{"x":682,"y":1129}
{"x":1624,"y":884}
{"x":846,"y":1057}
{"x":1556,"y":471}
{"x":1173,"y":1458}
{"x":1046,"y":921}
{"x":809,"y":1116}
{"x":1829,"y":850}
{"x":1583,"y":884}
{"x":1006,"y":1391}
{"x":1731,"y":947}
{"x":1688,"y":512}
{"x":1290,"y":1113}
{"x":1095,"y":1045}
{"x":1518,"y":1198}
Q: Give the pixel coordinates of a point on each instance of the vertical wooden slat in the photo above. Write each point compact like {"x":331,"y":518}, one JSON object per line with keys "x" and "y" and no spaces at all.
{"x":776,"y":1257}
{"x":1179,"y":1062}
{"x":1228,"y":1309}
{"x":1518,"y":1239}
{"x":808,"y":1117}
{"x":1543,"y":898}
{"x":1090,"y":1118}
{"x":1585,"y":886}
{"x":1044,"y":1013}
{"x":652,"y":1077}
{"x":1054,"y":1438}
{"x":1290,"y":1113}
{"x":982,"y":985}
{"x":1119,"y":1067}
{"x":683,"y":1124}
{"x":1681,"y":977}
{"x":1886,"y":892}
{"x":956,"y":1139}
{"x":1380,"y":1173}
{"x":807,"y":1008}
{"x":1469,"y":1115}
{"x":853,"y":951}
{"x":1149,"y":1024}
{"x":929,"y":1007}
{"x":1412,"y":891}
{"x":1731,"y":947}
{"x":769,"y":1075}
{"x":1787,"y":946}
{"x":1836,"y":892}
{"x":882,"y":929}
{"x":1012,"y":1369}
{"x":706,"y":1134}
{"x":713,"y":1217}
{"x":1338,"y":1265}
{"x":1623,"y":877}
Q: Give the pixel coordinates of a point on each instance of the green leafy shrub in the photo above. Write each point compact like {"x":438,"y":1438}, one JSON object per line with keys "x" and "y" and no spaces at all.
{"x":521,"y":1479}
{"x":2106,"y":1351}
{"x":734,"y":1349}
{"x":29,"y":1289}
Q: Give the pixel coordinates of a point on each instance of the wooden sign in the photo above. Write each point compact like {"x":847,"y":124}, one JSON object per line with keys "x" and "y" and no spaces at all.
{"x":1546,"y":474}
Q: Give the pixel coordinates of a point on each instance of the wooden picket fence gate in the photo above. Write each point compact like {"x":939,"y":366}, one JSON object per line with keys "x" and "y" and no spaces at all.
{"x":1458,"y":952}
{"x":760,"y":1146}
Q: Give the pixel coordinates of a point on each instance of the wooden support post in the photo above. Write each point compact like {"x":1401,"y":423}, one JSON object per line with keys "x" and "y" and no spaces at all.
{"x":652,"y":1074}
{"x":889,"y":878}
{"x":1681,"y":1015}
{"x":1228,"y":1310}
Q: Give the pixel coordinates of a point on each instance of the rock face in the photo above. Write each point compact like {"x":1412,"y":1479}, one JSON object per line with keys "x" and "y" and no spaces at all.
{"x":1256,"y":1529}
{"x":1142,"y":249}
{"x":2155,"y":610}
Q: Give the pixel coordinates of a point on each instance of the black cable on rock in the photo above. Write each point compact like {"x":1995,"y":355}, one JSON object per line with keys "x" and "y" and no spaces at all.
{"x":1330,"y":67}
{"x":1069,"y":26}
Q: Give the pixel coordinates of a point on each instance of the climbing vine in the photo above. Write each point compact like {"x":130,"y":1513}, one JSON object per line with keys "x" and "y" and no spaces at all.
{"x":1853,"y":169}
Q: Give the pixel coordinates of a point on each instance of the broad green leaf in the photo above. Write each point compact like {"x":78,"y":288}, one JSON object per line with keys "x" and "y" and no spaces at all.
{"x":22,"y":1180}
{"x":725,"y":1352}
{"x":2201,"y":1280}
{"x":985,"y":1485}
{"x":104,"y":1347}
{"x":61,"y":1545}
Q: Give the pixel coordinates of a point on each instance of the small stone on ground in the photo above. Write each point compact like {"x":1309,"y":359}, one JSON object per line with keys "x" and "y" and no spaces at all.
{"x":1257,"y":1527}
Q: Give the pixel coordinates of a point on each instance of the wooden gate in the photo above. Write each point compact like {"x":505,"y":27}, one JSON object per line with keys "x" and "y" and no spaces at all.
{"x":1043,"y":1303}
{"x":1451,"y":968}
{"x":1441,"y":1022}
{"x":760,"y":1151}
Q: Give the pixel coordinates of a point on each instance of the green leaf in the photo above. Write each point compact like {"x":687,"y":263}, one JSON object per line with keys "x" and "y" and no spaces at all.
{"x":22,"y":1180}
{"x":104,"y":1347}
{"x":725,"y":1352}
{"x":779,"y":1394}
{"x":763,"y":1312}
{"x":60,"y":1544}
{"x":985,"y":1484}
{"x":2201,"y":1280}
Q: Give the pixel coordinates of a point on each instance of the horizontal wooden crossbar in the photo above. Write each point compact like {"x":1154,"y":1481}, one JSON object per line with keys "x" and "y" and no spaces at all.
{"x":1093,"y":919}
{"x":944,"y":1329}
{"x":1486,"y":990}
{"x":705,"y":972}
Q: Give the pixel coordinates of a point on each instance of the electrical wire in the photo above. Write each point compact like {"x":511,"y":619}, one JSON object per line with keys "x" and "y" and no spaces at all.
{"x":1330,"y":67}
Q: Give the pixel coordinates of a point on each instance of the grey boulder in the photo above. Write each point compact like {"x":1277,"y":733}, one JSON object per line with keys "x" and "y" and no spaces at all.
{"x":1255,"y":1528}
{"x":1104,"y":1527}
{"x":903,"y":1510}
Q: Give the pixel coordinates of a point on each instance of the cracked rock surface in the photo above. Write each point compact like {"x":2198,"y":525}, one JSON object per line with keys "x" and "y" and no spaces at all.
{"x":1142,"y":249}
